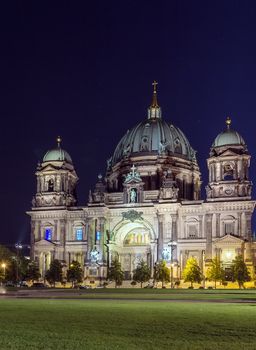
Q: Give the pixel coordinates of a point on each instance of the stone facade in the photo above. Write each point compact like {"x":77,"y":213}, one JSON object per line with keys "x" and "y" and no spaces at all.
{"x":148,"y":205}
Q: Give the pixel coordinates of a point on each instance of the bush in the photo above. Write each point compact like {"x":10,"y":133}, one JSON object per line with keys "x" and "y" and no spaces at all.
{"x":210,"y":287}
{"x":201,"y":287}
{"x":190,"y":287}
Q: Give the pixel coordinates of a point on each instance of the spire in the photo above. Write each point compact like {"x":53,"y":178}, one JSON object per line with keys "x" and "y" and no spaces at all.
{"x":228,"y":122}
{"x":154,"y":111}
{"x":58,"y":141}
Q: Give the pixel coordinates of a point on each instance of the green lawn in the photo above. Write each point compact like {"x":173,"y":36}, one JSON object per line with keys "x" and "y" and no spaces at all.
{"x":83,"y":324}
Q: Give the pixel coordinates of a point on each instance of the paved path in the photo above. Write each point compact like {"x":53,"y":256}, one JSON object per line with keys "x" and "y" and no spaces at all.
{"x":76,"y":295}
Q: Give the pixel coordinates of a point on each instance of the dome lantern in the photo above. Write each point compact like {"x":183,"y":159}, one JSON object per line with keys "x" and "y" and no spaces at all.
{"x":154,"y":110}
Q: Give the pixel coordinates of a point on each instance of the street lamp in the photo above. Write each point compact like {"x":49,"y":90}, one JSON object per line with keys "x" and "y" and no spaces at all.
{"x":172,"y":245}
{"x":4,"y":267}
{"x":18,"y":247}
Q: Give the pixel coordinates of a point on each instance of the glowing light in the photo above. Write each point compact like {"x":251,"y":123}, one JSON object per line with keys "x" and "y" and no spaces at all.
{"x":228,"y":255}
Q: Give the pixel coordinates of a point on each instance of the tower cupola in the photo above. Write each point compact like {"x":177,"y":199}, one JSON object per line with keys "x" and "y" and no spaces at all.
{"x":56,"y":179}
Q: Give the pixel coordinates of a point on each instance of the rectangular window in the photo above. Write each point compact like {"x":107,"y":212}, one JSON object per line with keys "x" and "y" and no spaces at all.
{"x":192,"y":231}
{"x":97,"y":235}
{"x":79,"y":234}
{"x":48,"y":234}
{"x":228,"y":228}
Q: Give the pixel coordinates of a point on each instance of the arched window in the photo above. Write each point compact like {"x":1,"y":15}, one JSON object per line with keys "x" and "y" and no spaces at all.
{"x":48,"y":234}
{"x":228,"y":173}
{"x":79,"y":233}
{"x":50,"y":185}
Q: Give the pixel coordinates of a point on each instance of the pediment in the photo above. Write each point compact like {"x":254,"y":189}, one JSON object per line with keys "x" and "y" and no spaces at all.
{"x":43,"y":243}
{"x":228,"y":240}
{"x":228,"y":153}
{"x":50,"y":167}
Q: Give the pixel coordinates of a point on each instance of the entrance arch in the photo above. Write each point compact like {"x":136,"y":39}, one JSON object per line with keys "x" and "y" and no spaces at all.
{"x":133,"y":242}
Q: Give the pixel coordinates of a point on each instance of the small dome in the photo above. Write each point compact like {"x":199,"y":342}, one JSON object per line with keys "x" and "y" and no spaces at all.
{"x":228,"y":137}
{"x":57,"y":154}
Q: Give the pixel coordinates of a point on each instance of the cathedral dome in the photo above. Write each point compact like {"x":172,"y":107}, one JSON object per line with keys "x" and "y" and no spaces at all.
{"x":57,"y":154}
{"x":228,"y":137}
{"x":153,"y":136}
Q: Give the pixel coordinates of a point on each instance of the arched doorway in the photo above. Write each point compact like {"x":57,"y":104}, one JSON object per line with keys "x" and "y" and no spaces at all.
{"x":133,"y":242}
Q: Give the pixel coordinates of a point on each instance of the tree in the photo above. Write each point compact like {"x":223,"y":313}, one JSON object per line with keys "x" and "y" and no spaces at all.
{"x":215,"y":272}
{"x":75,"y":273}
{"x":16,"y":268}
{"x":33,"y":273}
{"x":192,"y":272}
{"x":161,"y":272}
{"x":6,"y":262}
{"x":141,"y":273}
{"x":5,"y":254}
{"x":116,"y":273}
{"x":239,"y":271}
{"x":54,"y":274}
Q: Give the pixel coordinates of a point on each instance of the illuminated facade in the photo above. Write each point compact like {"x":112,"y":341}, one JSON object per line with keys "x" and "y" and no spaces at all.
{"x":148,"y":204}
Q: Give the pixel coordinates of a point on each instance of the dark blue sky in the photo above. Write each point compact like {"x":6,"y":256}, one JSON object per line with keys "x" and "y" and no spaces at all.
{"x":84,"y":71}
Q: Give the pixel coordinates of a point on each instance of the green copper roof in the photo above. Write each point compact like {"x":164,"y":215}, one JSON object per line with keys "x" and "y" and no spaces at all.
{"x":153,"y":136}
{"x":57,"y":154}
{"x":228,"y":137}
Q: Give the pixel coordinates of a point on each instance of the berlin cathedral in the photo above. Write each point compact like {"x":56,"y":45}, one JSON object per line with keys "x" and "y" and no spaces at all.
{"x":147,"y":205}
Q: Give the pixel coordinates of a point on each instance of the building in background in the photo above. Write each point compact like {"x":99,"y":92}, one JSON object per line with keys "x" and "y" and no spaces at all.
{"x":148,"y":204}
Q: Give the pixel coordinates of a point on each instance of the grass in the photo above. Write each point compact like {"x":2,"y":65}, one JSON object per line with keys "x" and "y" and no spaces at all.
{"x":83,"y":324}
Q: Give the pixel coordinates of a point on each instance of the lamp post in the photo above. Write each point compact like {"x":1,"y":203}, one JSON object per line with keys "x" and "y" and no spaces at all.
{"x":4,"y":267}
{"x":172,"y":244}
{"x":18,"y":247}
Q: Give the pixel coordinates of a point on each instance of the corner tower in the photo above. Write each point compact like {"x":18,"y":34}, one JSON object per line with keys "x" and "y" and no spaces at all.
{"x":228,"y":167}
{"x":56,"y":179}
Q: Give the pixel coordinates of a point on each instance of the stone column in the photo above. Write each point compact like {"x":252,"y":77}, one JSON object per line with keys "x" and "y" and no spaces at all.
{"x":160,"y":236}
{"x":243,"y":225}
{"x":32,"y":240}
{"x":174,"y":235}
{"x":208,"y":231}
{"x":217,"y":225}
{"x":100,"y":243}
{"x":63,"y":238}
{"x":89,"y":238}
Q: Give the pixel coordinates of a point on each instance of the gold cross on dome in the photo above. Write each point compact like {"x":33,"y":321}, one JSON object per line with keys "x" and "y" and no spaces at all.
{"x":155,"y":83}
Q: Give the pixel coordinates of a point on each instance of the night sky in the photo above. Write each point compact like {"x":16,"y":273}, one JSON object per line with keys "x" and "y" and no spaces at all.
{"x":85,"y":71}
